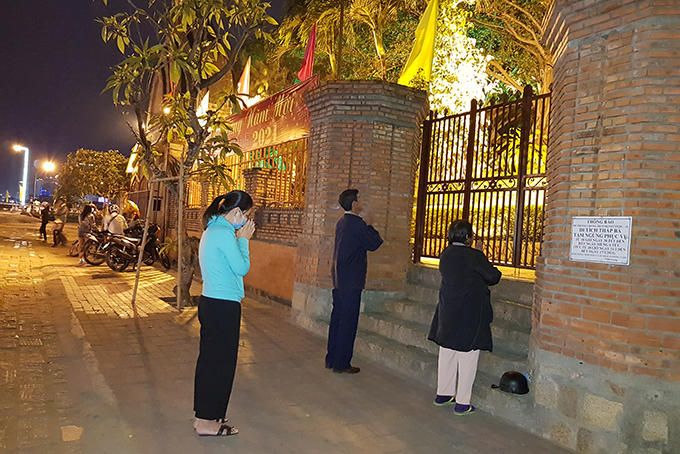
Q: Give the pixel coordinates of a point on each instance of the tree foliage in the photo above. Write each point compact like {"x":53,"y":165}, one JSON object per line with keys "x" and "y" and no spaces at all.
{"x":176,"y":50}
{"x":378,"y":15}
{"x":511,"y":32}
{"x":376,"y":37}
{"x":101,"y":173}
{"x":458,"y":67}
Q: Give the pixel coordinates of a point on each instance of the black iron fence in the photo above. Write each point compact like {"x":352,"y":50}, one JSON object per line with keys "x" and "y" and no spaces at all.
{"x":488,"y":166}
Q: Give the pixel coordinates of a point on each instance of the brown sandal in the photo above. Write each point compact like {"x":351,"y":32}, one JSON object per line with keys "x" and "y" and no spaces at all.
{"x":225,"y":429}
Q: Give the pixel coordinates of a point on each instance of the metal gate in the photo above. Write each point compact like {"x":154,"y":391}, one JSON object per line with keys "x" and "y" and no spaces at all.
{"x":488,"y":166}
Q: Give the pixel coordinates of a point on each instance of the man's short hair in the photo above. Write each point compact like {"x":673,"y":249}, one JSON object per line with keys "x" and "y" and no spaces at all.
{"x":347,"y":197}
{"x":460,"y":231}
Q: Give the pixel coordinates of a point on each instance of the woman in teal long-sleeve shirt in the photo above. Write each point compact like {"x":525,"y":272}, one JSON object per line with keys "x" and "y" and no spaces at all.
{"x":224,"y":259}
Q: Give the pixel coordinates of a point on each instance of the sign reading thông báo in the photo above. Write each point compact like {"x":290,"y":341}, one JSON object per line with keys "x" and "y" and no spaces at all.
{"x":601,"y":239}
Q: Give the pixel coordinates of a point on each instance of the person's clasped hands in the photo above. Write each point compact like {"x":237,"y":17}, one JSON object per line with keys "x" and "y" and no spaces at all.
{"x":247,"y":230}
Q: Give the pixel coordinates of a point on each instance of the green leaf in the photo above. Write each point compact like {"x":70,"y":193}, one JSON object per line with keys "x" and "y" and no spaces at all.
{"x":271,"y":20}
{"x":121,"y":44}
{"x":175,"y":73}
{"x":116,"y":90}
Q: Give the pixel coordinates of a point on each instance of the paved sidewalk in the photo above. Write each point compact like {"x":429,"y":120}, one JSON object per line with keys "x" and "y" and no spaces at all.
{"x":84,"y":371}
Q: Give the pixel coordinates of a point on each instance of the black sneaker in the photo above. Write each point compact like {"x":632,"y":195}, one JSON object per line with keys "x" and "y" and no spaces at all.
{"x":440,"y":401}
{"x":460,"y":410}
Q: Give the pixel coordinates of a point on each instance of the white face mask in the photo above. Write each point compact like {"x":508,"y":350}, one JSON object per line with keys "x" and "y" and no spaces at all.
{"x":238,"y":225}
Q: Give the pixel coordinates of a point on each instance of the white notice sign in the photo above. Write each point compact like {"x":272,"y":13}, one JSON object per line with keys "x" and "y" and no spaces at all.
{"x":601,"y":239}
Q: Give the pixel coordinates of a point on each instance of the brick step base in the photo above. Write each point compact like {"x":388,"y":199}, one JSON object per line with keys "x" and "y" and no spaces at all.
{"x":421,"y":365}
{"x":422,"y":312}
{"x":424,"y":284}
{"x":508,"y":338}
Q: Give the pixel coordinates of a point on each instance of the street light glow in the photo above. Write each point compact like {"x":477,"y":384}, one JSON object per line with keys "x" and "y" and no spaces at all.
{"x":49,"y":166}
{"x":23,"y":191}
{"x":166,"y":110}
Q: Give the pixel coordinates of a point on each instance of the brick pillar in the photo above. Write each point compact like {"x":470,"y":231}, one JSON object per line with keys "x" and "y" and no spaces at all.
{"x":606,"y":338}
{"x":256,"y":183}
{"x":364,"y":135}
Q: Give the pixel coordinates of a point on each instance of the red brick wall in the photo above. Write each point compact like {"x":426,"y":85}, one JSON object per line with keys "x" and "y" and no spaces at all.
{"x":364,"y":135}
{"x":271,"y":272}
{"x":615,"y":150}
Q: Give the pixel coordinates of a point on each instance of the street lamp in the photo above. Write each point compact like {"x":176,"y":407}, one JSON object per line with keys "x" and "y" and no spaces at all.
{"x":25,"y":180}
{"x":48,"y":166}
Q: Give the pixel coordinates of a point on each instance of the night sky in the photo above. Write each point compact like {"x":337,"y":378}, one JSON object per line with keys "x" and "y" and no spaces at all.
{"x":54,"y":68}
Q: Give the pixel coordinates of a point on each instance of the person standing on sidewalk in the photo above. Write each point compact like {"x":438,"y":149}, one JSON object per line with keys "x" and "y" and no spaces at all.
{"x":85,"y":224}
{"x":354,"y":236}
{"x":224,"y":259}
{"x":44,"y":220}
{"x":461,"y":325}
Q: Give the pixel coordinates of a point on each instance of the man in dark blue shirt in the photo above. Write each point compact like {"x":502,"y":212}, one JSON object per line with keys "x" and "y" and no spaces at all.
{"x":354,"y":236}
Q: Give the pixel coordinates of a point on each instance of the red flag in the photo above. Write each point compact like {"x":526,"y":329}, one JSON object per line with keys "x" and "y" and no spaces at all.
{"x":308,"y":62}
{"x":244,"y":82}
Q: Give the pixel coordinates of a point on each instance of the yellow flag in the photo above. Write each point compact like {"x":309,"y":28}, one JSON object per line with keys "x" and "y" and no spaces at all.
{"x":423,"y":48}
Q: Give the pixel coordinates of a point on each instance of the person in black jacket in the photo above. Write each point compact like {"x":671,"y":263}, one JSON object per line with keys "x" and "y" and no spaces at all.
{"x":462,"y":321}
{"x":354,"y":236}
{"x":45,"y":219}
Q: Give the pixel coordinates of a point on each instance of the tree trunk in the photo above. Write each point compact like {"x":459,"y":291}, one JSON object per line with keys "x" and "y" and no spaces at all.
{"x":341,"y":33}
{"x":380,"y":50}
{"x":189,"y":268}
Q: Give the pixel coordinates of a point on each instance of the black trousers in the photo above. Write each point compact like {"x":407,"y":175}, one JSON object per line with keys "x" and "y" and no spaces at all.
{"x":343,"y":328}
{"x":220,"y":324}
{"x":43,"y":229}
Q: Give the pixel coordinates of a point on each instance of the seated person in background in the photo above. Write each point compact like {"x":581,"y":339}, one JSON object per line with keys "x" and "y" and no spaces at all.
{"x":134,"y":219}
{"x":114,"y":222}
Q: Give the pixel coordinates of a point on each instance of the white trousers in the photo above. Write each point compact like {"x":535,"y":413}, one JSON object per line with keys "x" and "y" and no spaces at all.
{"x":457,"y":365}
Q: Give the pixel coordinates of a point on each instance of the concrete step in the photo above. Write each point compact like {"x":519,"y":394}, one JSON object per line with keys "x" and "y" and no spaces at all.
{"x":424,"y":284}
{"x":501,"y":361}
{"x":414,"y":311}
{"x":510,"y":340}
{"x":511,"y":407}
{"x":413,"y":362}
{"x":422,"y":294}
{"x":511,"y":336}
{"x":422,"y":312}
{"x":423,"y":275}
{"x":403,"y":331}
{"x":512,"y":312}
{"x":421,"y":365}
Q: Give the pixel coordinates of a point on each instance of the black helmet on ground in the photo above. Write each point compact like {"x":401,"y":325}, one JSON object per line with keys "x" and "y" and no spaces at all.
{"x":513,"y":382}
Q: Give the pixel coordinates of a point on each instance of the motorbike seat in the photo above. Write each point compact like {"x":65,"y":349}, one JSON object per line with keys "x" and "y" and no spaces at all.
{"x":129,"y":239}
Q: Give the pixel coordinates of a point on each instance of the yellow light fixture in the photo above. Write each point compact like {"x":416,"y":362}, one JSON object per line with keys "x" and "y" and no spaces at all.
{"x":49,"y":166}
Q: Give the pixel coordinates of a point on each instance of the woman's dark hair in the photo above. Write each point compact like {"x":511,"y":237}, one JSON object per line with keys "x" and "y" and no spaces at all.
{"x":460,"y":231}
{"x":87,"y":209}
{"x":225,"y":203}
{"x":347,"y":197}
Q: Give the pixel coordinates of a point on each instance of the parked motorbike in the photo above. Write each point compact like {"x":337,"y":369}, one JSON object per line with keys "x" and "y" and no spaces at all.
{"x":95,"y":247}
{"x":121,"y":251}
